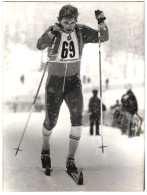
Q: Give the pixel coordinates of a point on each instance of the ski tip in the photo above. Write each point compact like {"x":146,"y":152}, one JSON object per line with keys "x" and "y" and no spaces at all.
{"x":80,"y":182}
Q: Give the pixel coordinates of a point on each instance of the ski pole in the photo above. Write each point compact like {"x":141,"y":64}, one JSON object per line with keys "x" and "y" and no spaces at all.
{"x":18,"y":148}
{"x":100,"y":86}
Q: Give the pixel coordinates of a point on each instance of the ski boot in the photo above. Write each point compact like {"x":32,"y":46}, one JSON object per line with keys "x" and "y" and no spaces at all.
{"x":97,"y":132}
{"x":91,"y":130}
{"x":71,"y":167}
{"x":46,"y":162}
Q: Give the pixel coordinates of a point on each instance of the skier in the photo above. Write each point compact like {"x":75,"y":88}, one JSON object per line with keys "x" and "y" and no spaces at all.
{"x":63,"y":82}
{"x":94,"y":109}
{"x":129,"y":108}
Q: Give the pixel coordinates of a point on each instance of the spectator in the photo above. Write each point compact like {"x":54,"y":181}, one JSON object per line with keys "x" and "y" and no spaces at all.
{"x":129,"y":108}
{"x":94,"y":109}
{"x":107,"y":83}
{"x":22,"y":79}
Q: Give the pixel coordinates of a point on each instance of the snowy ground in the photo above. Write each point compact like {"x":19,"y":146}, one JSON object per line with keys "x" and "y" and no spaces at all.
{"x":120,"y":168}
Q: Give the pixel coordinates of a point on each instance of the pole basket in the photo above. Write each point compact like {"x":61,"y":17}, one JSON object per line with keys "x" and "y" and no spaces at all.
{"x":103,"y":148}
{"x":17,"y":149}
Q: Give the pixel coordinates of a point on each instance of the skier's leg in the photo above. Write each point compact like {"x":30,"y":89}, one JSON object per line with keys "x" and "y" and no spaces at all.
{"x":53,"y":101}
{"x":75,"y":135}
{"x":74,"y":101}
{"x":46,"y":136}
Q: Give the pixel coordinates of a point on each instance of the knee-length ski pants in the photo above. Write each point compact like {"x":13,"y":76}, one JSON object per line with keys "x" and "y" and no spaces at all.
{"x":59,"y":89}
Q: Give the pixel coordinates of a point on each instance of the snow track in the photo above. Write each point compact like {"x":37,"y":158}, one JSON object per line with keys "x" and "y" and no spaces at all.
{"x":120,"y":168}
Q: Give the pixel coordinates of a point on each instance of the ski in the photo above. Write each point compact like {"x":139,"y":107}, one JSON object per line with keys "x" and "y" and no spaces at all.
{"x":77,"y":177}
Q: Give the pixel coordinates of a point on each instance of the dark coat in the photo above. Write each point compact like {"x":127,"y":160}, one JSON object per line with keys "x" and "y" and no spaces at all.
{"x":129,"y":102}
{"x":95,"y":107}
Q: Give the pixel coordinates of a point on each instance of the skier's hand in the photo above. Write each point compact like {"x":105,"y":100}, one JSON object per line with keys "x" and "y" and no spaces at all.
{"x":100,"y":16}
{"x":57,"y":27}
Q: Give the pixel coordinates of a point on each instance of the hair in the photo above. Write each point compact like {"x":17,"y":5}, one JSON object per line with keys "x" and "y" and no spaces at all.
{"x":68,"y":11}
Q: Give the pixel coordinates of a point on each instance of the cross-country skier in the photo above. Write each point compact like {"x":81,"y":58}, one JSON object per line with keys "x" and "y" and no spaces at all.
{"x":63,"y":82}
{"x":94,"y":109}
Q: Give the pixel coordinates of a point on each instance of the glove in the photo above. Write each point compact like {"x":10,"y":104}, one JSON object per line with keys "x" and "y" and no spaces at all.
{"x":100,"y":16}
{"x":57,"y":27}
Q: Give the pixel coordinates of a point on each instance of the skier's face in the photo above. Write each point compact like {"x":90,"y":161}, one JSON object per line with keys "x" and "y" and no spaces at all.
{"x":68,"y":24}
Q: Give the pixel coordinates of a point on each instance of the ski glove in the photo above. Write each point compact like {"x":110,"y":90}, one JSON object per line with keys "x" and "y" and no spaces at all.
{"x":100,"y":16}
{"x":57,"y":28}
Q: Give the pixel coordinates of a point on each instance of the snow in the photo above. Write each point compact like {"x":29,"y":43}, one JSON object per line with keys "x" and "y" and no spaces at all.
{"x":120,"y":168}
{"x":22,"y":58}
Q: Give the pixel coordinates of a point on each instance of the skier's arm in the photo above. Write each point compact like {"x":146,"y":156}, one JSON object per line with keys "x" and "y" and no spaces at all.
{"x":104,"y":33}
{"x":90,"y":35}
{"x":46,"y":39}
{"x":102,"y":27}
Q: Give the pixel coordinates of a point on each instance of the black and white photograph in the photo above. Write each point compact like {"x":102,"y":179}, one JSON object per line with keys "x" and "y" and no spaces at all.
{"x":73,"y":96}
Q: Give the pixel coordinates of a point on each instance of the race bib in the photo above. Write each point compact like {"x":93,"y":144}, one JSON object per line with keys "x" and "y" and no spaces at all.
{"x":68,"y":49}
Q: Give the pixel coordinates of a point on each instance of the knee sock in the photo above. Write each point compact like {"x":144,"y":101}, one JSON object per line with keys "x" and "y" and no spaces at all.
{"x":75,"y":135}
{"x":46,"y":136}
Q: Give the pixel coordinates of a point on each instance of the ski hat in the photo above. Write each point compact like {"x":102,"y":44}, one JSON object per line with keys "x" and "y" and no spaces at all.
{"x":68,"y":11}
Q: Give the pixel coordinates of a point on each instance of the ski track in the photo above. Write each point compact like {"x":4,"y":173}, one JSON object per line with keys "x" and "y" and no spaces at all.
{"x":119,"y":168}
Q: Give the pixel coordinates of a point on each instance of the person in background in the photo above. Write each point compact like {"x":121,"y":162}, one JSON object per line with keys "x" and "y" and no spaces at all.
{"x":129,"y":108}
{"x":107,"y":83}
{"x":22,"y":79}
{"x":95,"y":112}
